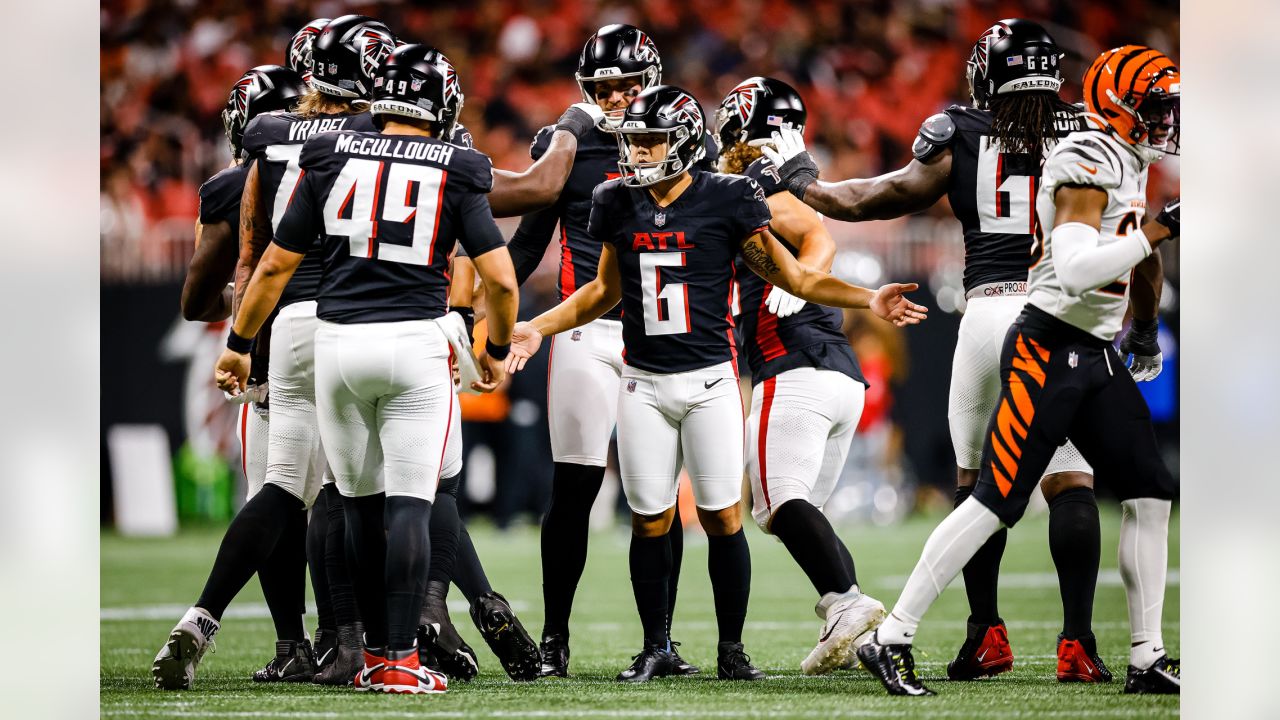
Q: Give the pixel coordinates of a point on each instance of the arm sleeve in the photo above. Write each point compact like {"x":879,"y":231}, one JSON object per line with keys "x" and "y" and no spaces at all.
{"x":529,"y":243}
{"x":299,"y":227}
{"x":1081,"y":264}
{"x":478,"y":232}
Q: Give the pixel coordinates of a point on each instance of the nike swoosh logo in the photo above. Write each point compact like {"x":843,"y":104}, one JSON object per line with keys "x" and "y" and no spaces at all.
{"x":907,"y":634}
{"x":1091,"y":170}
{"x":827,"y":634}
{"x":324,"y":657}
{"x":709,"y":385}
{"x":984,"y":654}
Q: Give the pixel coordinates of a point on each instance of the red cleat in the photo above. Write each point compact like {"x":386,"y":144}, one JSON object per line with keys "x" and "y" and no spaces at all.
{"x":985,"y":653}
{"x":404,"y":674}
{"x":1078,"y":661}
{"x":370,"y":676}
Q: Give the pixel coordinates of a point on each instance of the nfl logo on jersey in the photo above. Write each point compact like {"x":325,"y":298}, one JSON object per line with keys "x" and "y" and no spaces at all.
{"x":576,"y":336}
{"x":1073,"y":359}
{"x":631,"y":386}
{"x":659,"y":219}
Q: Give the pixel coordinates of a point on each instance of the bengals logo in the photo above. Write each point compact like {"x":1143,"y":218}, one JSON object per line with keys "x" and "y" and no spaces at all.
{"x":684,"y":109}
{"x":982,"y":48}
{"x":742,"y":99}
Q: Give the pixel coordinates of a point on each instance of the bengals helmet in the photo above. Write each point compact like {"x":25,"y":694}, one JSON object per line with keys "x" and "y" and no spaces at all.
{"x":418,"y":82}
{"x":1137,"y":92}
{"x":261,"y":89}
{"x":662,"y":110}
{"x":755,"y":108}
{"x":299,"y":54}
{"x":618,"y":51}
{"x":346,"y":54}
{"x":1013,"y":56}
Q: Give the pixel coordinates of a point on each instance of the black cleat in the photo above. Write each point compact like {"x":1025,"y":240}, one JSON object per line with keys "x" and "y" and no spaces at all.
{"x":506,"y":637}
{"x":654,"y":661}
{"x":555,"y":655}
{"x":346,"y":663}
{"x":1164,"y":677}
{"x":680,"y":665}
{"x":733,"y":663}
{"x":894,"y":666}
{"x":441,"y":648}
{"x":294,"y":662}
{"x":326,"y":647}
{"x":985,"y":653}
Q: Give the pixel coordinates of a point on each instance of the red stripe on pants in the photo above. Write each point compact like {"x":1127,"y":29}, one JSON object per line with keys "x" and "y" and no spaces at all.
{"x":766,"y":404}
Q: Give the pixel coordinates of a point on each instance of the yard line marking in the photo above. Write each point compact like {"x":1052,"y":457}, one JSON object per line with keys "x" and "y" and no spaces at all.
{"x":108,"y":711}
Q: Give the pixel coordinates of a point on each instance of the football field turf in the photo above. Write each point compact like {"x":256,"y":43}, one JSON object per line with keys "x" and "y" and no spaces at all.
{"x":147,"y":584}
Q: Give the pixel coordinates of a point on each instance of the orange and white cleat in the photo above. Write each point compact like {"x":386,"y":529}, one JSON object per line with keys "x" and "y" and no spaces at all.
{"x":404,"y":674}
{"x":985,"y":653}
{"x":1078,"y":661}
{"x":370,"y":676}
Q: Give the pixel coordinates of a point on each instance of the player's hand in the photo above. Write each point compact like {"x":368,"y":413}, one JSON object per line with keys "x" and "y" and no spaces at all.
{"x":580,"y":118}
{"x":1171,"y":217}
{"x":786,"y":150}
{"x":890,"y":303}
{"x":231,"y":373}
{"x":525,"y":341}
{"x":782,"y":303}
{"x":493,"y":372}
{"x":1142,"y":342}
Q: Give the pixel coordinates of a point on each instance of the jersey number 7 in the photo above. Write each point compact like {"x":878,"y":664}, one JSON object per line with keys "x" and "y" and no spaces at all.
{"x":352,"y":209}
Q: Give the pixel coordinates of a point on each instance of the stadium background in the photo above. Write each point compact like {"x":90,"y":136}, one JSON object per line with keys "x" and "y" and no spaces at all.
{"x":869,"y":71}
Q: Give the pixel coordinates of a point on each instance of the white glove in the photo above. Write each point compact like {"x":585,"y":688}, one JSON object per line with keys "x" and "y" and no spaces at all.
{"x":1142,"y":341}
{"x":455,"y":331}
{"x":252,"y":393}
{"x":1146,"y":367}
{"x":782,"y":303}
{"x":784,"y":145}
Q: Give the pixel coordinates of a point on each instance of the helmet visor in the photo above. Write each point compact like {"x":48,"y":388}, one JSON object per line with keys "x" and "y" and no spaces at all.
{"x":1161,"y":114}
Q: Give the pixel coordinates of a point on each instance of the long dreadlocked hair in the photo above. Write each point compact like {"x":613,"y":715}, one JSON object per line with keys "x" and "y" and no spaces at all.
{"x":1025,"y":122}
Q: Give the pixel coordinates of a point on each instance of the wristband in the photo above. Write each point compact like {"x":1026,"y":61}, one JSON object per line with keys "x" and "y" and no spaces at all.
{"x":496,"y":351}
{"x":238,"y":344}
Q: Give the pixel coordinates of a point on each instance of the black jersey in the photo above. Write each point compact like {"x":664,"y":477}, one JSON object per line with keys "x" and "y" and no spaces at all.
{"x":993,"y":195}
{"x":274,"y":141}
{"x":677,"y":266}
{"x":595,"y":162}
{"x":810,"y":338}
{"x":388,"y":210}
{"x":220,"y":196}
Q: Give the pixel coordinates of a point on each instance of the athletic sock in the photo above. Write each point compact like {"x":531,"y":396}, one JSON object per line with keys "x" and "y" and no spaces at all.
{"x":948,"y":548}
{"x":729,"y":564}
{"x":676,"y":537}
{"x":444,"y":530}
{"x":367,"y":558}
{"x":982,"y":573}
{"x":1144,"y":559}
{"x":337,"y":574}
{"x":564,"y":540}
{"x":283,"y":576}
{"x":407,"y":522}
{"x":251,"y":536}
{"x":1074,"y":541}
{"x":317,"y":530}
{"x":650,"y":560}
{"x":468,"y":573}
{"x":813,"y":543}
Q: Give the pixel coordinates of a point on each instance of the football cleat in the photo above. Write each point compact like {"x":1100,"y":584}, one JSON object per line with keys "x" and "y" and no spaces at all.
{"x":847,"y":621}
{"x":441,"y":647}
{"x":894,"y":666}
{"x":369,"y":676}
{"x":175,"y":665}
{"x":1078,"y":660}
{"x":342,"y":669}
{"x":1164,"y":677}
{"x":404,"y":675}
{"x":294,"y":662}
{"x":680,"y":666}
{"x":733,"y":663}
{"x":555,"y":655}
{"x":985,"y":653}
{"x":326,"y":648}
{"x":654,"y":661}
{"x":506,"y":637}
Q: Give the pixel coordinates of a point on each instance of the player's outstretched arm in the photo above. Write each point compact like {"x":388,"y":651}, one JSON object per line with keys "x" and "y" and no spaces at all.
{"x":255,"y":233}
{"x":771,"y":261}
{"x":1080,"y":262}
{"x":585,"y":304}
{"x":800,"y":225}
{"x":261,"y":295}
{"x":205,"y":296}
{"x":517,"y":193}
{"x":498,"y":277}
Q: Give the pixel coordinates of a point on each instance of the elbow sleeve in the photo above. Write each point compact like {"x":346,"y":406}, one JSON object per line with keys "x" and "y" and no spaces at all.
{"x":1083,"y":265}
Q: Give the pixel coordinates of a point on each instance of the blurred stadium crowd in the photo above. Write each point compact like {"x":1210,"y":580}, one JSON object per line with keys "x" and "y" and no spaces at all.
{"x":869,"y":70}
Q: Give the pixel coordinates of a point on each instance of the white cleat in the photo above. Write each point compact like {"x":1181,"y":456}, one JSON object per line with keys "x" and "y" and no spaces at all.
{"x":850,"y":619}
{"x":175,"y":666}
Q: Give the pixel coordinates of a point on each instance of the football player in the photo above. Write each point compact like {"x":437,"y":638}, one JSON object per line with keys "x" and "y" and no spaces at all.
{"x":207,"y":297}
{"x":1060,"y":375}
{"x":384,"y":388}
{"x":616,"y":64}
{"x":807,"y":387}
{"x":668,"y":238}
{"x":986,"y":159}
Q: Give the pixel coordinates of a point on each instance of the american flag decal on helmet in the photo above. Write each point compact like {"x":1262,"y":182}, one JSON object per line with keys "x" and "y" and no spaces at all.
{"x":983,"y":46}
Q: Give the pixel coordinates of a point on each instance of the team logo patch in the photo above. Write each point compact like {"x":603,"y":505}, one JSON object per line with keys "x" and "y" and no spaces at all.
{"x":645,"y":50}
{"x":416,"y":84}
{"x":685,"y":109}
{"x":576,"y":336}
{"x":659,"y":218}
{"x":631,"y":386}
{"x":744,"y":99}
{"x":374,"y":46}
{"x":983,"y":46}
{"x":1073,"y":359}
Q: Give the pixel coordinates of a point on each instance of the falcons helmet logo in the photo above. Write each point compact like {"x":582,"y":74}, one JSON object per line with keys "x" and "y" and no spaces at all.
{"x":645,"y":50}
{"x":374,"y":46}
{"x":685,"y":109}
{"x":744,"y":98}
{"x":989,"y":38}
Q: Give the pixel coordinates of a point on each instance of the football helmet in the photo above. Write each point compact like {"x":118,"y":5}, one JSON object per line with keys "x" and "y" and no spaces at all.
{"x":299,"y":55}
{"x":618,"y":51}
{"x":346,"y":54}
{"x":261,"y":89}
{"x":418,"y":82}
{"x":1013,"y":56}
{"x":755,"y":108}
{"x":1137,"y":92}
{"x":661,"y":110}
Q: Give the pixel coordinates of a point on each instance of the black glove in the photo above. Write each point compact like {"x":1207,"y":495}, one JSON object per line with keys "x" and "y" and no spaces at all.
{"x":468,"y":318}
{"x":580,"y":118}
{"x":1171,"y":217}
{"x":799,"y":173}
{"x":1141,"y":338}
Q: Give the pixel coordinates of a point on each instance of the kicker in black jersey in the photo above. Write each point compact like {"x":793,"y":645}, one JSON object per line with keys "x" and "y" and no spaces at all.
{"x":220,"y":197}
{"x":677,"y":266}
{"x":993,"y":195}
{"x":595,"y":162}
{"x":388,"y":210}
{"x":274,"y":141}
{"x":810,"y":338}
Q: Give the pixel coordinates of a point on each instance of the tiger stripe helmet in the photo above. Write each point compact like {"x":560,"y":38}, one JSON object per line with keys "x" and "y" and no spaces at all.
{"x":1137,"y":92}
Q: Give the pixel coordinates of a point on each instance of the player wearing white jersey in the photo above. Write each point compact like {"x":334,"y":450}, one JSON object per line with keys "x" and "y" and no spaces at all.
{"x":1060,"y":376}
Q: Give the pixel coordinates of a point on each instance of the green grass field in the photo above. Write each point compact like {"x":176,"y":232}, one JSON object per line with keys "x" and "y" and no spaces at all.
{"x":147,"y":584}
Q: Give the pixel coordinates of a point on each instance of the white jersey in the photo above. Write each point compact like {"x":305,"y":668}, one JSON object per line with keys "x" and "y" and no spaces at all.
{"x":1093,"y":158}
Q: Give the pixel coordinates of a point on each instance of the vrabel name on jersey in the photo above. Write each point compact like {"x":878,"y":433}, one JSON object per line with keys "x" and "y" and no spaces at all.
{"x":303,"y":129}
{"x":394,"y":148}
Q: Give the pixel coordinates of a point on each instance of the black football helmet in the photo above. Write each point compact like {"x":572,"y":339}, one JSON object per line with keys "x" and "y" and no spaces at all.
{"x":755,"y":108}
{"x":1013,"y":56}
{"x":299,"y":55}
{"x":346,"y":54}
{"x":618,"y":51}
{"x":418,"y":82}
{"x":665,"y":110}
{"x":261,"y":89}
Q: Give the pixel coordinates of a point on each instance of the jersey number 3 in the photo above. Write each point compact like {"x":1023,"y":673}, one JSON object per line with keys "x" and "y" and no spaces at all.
{"x":666,"y":309}
{"x":352,"y":208}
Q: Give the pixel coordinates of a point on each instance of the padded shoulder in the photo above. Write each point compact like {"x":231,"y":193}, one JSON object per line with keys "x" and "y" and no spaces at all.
{"x":936,"y":134}
{"x":1084,"y":158}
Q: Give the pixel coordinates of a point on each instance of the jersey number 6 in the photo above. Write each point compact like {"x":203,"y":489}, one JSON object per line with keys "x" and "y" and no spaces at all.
{"x":666,"y":309}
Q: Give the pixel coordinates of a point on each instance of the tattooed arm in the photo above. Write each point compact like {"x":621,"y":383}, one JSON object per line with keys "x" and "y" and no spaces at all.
{"x":255,"y":234}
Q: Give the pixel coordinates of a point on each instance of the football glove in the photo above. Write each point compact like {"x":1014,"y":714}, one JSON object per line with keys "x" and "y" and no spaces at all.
{"x":1171,"y":217}
{"x":1142,"y":342}
{"x":454,"y":328}
{"x":786,"y":150}
{"x":782,"y":303}
{"x":580,"y":118}
{"x":252,"y":393}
